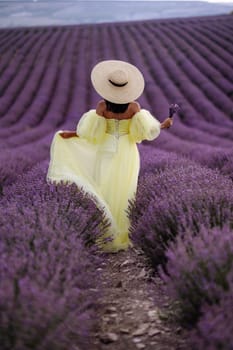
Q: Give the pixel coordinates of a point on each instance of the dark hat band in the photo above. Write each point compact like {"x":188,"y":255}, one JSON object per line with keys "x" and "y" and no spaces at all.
{"x":118,"y":85}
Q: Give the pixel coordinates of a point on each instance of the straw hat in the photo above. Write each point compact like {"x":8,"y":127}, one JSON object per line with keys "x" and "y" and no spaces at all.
{"x":117,"y":81}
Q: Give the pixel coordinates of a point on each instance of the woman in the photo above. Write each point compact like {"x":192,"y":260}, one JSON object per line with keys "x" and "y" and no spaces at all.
{"x":104,"y":158}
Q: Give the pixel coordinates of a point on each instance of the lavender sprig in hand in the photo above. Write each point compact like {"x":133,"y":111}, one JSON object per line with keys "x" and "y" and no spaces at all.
{"x":167,"y":123}
{"x":174,"y":108}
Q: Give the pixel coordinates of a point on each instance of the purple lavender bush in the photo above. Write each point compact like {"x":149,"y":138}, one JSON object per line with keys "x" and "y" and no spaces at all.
{"x":215,"y":328}
{"x":224,"y":162}
{"x":153,"y":159}
{"x":198,"y":268}
{"x":19,"y":161}
{"x":49,"y":284}
{"x":53,"y":203}
{"x":169,"y":200}
{"x":153,"y":162}
{"x":48,"y":293}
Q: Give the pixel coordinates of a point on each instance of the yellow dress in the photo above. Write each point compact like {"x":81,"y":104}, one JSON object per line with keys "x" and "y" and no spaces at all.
{"x":104,"y":161}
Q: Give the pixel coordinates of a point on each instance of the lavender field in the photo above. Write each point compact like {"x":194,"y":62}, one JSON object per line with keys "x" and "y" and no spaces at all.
{"x":182,"y":218}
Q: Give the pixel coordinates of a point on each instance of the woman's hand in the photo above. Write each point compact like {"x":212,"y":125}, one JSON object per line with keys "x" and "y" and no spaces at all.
{"x":67,"y":134}
{"x":167,"y":123}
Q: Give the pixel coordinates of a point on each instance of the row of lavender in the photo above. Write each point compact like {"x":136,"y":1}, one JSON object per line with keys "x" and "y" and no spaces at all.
{"x":49,"y":266}
{"x":182,"y":217}
{"x":45,"y":85}
{"x":49,"y":283}
{"x":183,"y":221}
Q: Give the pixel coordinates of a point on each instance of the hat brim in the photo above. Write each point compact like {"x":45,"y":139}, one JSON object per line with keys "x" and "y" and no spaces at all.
{"x":123,"y":94}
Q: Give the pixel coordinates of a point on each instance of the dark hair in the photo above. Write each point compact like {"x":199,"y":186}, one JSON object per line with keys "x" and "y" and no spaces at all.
{"x":116,"y":107}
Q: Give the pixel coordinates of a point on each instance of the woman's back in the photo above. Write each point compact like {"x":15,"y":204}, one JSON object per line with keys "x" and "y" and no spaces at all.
{"x":104,"y":110}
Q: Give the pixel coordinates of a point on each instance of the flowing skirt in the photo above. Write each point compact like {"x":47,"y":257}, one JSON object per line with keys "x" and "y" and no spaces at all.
{"x":108,"y":171}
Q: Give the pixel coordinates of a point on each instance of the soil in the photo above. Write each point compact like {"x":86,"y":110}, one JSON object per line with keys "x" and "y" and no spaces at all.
{"x":131,"y":308}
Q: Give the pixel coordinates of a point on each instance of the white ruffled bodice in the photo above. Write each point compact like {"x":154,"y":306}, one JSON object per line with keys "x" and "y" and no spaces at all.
{"x":142,"y":126}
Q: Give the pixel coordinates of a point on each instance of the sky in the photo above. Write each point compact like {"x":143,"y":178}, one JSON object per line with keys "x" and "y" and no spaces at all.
{"x":67,"y":1}
{"x":18,"y":13}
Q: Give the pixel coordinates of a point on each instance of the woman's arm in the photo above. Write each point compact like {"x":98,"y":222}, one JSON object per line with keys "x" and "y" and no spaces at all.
{"x":68,"y":134}
{"x":167,"y":123}
{"x":101,"y":107}
{"x":135,"y":107}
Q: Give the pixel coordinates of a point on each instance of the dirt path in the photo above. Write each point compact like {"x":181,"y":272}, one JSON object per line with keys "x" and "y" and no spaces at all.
{"x":129,"y":308}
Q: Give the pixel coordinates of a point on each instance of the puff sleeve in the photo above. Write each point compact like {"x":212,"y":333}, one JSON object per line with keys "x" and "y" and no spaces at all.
{"x":144,"y":126}
{"x":91,"y":127}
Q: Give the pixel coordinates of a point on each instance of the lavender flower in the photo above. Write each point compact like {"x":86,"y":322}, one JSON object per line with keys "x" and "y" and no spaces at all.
{"x":197,"y":269}
{"x":49,"y":287}
{"x":215,"y":328}
{"x":174,"y":197}
{"x":174,"y":108}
